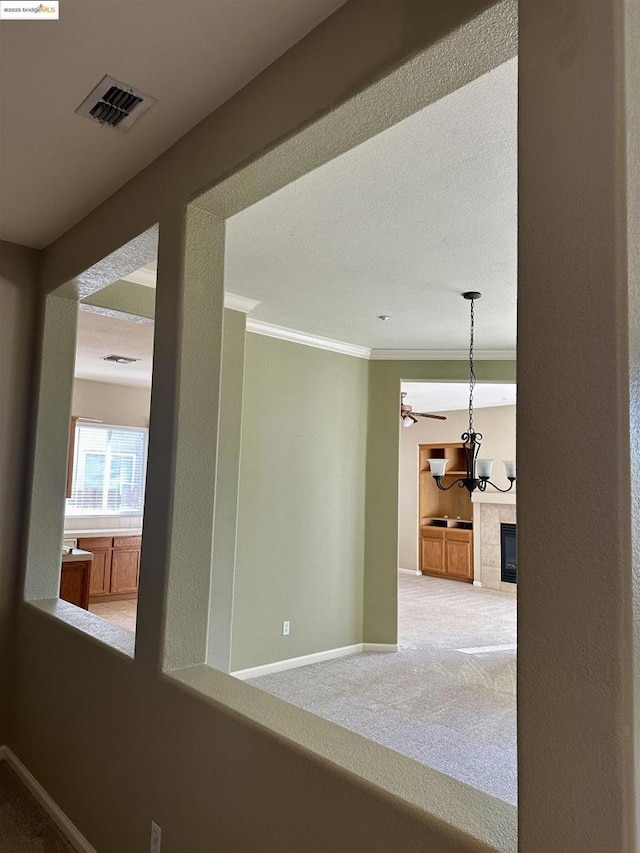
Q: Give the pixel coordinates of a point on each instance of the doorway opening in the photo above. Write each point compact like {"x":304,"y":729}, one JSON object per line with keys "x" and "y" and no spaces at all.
{"x":456,"y":617}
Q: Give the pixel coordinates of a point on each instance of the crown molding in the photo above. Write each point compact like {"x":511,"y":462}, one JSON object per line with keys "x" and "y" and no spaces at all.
{"x":239,"y":303}
{"x":235,"y":302}
{"x":441,"y":355}
{"x":271,"y":331}
{"x":142,"y":276}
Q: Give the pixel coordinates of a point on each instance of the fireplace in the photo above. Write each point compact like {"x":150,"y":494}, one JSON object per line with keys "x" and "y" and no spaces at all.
{"x":508,"y":553}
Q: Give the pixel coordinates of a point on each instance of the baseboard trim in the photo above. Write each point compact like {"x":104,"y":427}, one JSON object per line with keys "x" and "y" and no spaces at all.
{"x":410,"y":571}
{"x":315,"y":657}
{"x":477,"y":583}
{"x":64,"y":824}
{"x":379,"y":647}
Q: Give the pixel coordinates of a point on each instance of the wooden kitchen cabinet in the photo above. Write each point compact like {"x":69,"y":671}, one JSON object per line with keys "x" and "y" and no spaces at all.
{"x":116,"y":566}
{"x":71,"y":455}
{"x":100,"y":572}
{"x":125,"y":566}
{"x":74,"y":582}
{"x":100,"y":547}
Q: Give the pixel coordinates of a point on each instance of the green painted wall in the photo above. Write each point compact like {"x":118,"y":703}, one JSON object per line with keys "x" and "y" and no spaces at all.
{"x":301,"y":507}
{"x":381,"y":531}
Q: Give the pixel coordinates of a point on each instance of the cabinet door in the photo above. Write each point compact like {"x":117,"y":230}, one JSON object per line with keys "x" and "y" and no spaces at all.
{"x":74,"y":583}
{"x":100,"y":573}
{"x":124,"y":570}
{"x":458,"y":554}
{"x":432,"y":553}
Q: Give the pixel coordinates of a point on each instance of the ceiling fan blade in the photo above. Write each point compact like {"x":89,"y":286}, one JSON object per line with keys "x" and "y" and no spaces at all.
{"x":425,"y":415}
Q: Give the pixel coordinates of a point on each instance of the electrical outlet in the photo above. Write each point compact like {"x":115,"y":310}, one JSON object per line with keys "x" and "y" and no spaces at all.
{"x":286,"y":628}
{"x":156,"y":837}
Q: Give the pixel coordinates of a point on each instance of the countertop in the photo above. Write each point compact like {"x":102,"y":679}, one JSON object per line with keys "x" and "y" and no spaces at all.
{"x":76,"y":556}
{"x":116,"y":531}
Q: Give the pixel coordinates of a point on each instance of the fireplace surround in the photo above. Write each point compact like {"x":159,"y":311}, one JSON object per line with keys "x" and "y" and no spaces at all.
{"x":490,"y":511}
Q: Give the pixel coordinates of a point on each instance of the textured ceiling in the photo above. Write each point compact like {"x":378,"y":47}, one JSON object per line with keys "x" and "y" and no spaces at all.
{"x":192,"y":55}
{"x":100,"y":335}
{"x":399,"y":225}
{"x":451,"y":396}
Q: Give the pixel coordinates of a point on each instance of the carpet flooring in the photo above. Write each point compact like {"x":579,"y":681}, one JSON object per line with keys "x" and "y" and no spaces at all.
{"x":25,"y":827}
{"x":446,"y":699}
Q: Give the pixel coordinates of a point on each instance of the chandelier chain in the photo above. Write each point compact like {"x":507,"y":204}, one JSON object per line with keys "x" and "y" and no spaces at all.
{"x":472,"y":374}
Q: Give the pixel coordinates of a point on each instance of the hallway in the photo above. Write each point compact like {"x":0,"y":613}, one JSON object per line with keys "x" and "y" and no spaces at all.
{"x":447,"y":699}
{"x":24,"y":825}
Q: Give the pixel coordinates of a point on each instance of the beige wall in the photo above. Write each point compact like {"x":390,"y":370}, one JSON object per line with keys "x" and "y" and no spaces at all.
{"x":121,"y":405}
{"x":578,"y":579}
{"x":150,"y":750}
{"x":120,"y":740}
{"x":153,"y":735}
{"x":498,"y":426}
{"x":18,"y":269}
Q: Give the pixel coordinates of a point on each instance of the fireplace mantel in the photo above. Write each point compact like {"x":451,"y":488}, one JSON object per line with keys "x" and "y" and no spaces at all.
{"x":493,"y":498}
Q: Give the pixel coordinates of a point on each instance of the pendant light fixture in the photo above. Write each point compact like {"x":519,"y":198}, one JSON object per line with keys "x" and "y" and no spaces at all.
{"x":478,"y":471}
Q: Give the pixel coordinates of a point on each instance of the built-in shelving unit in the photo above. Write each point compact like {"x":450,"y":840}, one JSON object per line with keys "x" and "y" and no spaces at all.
{"x":446,"y":518}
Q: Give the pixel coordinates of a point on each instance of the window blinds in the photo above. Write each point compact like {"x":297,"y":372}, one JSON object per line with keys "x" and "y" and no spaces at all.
{"x":109,"y":469}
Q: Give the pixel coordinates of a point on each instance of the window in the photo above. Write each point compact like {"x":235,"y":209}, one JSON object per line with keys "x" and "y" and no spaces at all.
{"x":109,"y":469}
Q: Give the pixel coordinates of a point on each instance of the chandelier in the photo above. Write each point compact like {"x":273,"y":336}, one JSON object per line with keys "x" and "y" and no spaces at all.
{"x":478,"y":471}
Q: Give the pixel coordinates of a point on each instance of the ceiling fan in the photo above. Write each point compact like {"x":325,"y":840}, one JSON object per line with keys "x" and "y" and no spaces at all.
{"x":409,"y":417}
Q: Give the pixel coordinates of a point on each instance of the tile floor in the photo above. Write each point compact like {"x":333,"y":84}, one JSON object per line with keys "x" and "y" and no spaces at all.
{"x":121,"y":613}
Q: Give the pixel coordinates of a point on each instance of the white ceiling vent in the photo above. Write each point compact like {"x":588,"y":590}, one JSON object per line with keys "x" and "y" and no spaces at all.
{"x":115,"y":104}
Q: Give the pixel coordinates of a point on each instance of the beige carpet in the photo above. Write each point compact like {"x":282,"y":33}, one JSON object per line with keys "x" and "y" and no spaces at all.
{"x":24,"y":825}
{"x":447,"y":699}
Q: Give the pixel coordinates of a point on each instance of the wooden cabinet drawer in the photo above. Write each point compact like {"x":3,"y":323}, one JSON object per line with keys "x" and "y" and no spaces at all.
{"x":434,"y":532}
{"x":459,"y":535}
{"x":128,"y":542}
{"x":94,"y":543}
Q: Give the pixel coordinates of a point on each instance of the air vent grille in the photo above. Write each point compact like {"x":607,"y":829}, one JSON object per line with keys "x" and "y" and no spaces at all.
{"x":115,"y":104}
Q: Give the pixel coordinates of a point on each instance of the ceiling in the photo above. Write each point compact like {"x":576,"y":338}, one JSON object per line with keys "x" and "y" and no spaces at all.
{"x":99,"y":335}
{"x":192,"y":55}
{"x":399,"y":225}
{"x":451,"y":396}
